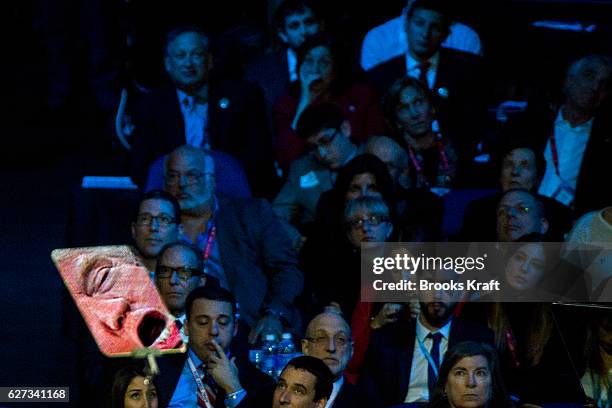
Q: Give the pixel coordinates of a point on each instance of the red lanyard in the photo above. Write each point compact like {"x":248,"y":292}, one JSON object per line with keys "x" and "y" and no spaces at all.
{"x":418,"y":166}
{"x":553,"y":151}
{"x":208,"y":246}
{"x":511,"y":343}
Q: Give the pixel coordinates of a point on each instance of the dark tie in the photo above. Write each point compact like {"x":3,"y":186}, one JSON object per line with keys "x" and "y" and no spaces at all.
{"x":435,"y":356}
{"x":423,"y":68}
{"x":179,"y":324}
{"x":210,"y":386}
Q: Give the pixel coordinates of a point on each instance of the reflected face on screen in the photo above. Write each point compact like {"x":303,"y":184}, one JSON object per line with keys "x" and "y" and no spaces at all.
{"x":117,"y":299}
{"x":526,"y":266}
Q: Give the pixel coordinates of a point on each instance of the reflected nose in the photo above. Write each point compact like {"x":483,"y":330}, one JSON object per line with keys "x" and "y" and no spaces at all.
{"x":113,"y":312}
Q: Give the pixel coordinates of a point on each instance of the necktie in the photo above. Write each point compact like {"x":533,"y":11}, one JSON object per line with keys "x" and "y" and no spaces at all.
{"x":423,"y":68}
{"x":179,"y":324}
{"x":210,"y":387}
{"x":435,"y":356}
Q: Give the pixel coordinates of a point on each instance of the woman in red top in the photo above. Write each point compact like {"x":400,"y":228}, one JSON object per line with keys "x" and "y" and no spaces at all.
{"x":324,"y":76}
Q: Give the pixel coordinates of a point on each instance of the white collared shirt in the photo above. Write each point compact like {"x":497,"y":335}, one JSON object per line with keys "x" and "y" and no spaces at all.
{"x":332,"y":398}
{"x":571,"y":143}
{"x":418,"y":390}
{"x":292,"y":65}
{"x":413,"y":70}
{"x":195,"y":116}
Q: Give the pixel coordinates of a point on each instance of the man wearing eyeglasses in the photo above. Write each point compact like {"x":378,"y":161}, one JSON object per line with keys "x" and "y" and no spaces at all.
{"x":328,"y":337}
{"x":242,"y":244}
{"x":156,"y":224}
{"x":178,"y":272}
{"x":519,"y":213}
{"x":328,"y":135}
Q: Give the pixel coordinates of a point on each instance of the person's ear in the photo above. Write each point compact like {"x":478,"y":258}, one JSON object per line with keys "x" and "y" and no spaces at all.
{"x":321,"y":403}
{"x":167,"y":64}
{"x":186,"y":327}
{"x":236,"y":324}
{"x":283,"y":36}
{"x":345,"y":128}
{"x":389,"y":231}
{"x":133,"y":230}
{"x":180,"y":229}
{"x":305,"y":347}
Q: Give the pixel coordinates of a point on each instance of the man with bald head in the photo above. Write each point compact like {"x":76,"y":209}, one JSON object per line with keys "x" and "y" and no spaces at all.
{"x":520,"y":213}
{"x":203,"y":112}
{"x":392,"y":154}
{"x":328,"y":337}
{"x":243,"y":244}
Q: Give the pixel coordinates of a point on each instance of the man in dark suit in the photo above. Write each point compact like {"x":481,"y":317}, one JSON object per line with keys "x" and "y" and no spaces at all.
{"x":223,"y":115}
{"x":207,"y":374}
{"x":244,"y":245}
{"x":454,"y":77}
{"x":403,"y":359}
{"x":294,"y":22}
{"x":576,"y":138}
{"x":328,"y":337}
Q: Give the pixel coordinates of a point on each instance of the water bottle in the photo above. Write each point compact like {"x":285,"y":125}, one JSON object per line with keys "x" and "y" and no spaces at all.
{"x":268,"y":358}
{"x":286,"y":351}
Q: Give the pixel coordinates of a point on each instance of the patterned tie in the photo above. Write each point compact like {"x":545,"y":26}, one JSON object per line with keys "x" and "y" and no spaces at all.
{"x":435,"y":356}
{"x":179,"y":324}
{"x":423,"y":68}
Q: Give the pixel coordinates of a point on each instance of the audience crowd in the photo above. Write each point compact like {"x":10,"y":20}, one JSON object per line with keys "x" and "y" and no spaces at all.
{"x":330,"y":154}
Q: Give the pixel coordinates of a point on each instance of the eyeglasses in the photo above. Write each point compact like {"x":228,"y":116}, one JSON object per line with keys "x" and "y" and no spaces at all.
{"x":173,"y":177}
{"x":323,"y":142}
{"x":519,"y":209}
{"x":145,"y":220}
{"x":372,"y":221}
{"x":323,"y":340}
{"x":183,"y":273}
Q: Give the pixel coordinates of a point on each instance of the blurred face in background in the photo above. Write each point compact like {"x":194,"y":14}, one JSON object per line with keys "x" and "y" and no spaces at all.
{"x":426,"y":31}
{"x":469,"y":383}
{"x":526,"y":267}
{"x":298,"y":27}
{"x":414,"y":113}
{"x":519,"y":170}
{"x":363,"y":184}
{"x":155,"y":226}
{"x":367,"y":226}
{"x":190,"y":177}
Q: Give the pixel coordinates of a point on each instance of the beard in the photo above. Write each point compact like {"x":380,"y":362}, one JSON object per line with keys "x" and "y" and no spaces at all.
{"x":437,"y":313}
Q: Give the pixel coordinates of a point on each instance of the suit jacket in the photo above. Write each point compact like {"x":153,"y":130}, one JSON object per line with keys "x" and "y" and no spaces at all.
{"x":258,"y":385}
{"x":296,"y":203}
{"x":236,"y":125}
{"x":592,"y":193}
{"x":386,"y":373}
{"x":258,"y":259}
{"x":271,"y":73}
{"x":458,"y":94}
{"x":348,"y":397}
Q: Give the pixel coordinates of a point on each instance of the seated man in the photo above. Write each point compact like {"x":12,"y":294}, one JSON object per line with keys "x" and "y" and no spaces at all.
{"x":207,"y":375}
{"x":403,"y":358}
{"x":327,"y":131}
{"x":222,"y":115}
{"x":521,"y":167}
{"x":304,"y":382}
{"x":157,"y":223}
{"x":294,"y":22}
{"x":577,"y":137}
{"x":328,"y":337}
{"x":389,"y":40}
{"x":454,"y":77}
{"x":243,"y":244}
{"x":179,"y":270}
{"x":519,"y":213}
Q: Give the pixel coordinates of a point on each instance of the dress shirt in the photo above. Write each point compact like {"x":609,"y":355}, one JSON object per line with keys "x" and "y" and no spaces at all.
{"x":413,"y":70}
{"x":195,"y":116}
{"x":337,"y":385}
{"x":292,"y":65}
{"x":389,"y":40}
{"x":571,"y":143}
{"x":417,"y":389}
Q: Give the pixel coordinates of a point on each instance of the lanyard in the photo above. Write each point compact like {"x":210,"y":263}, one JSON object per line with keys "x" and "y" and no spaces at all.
{"x":428,"y":356}
{"x":208,"y":247}
{"x":511,"y":344}
{"x":417,"y":164}
{"x":553,"y":151}
{"x":201,"y":389}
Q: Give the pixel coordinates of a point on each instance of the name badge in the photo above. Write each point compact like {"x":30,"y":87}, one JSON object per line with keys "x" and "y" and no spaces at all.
{"x":309,"y":180}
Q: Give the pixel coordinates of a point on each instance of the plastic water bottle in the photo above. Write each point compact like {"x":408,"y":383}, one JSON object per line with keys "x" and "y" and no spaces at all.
{"x":286,"y":351}
{"x":268,"y":357}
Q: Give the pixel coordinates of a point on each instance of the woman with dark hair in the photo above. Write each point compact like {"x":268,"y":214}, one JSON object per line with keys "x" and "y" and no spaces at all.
{"x":597,"y":379}
{"x":409,"y":108}
{"x":324,"y":72}
{"x":132,"y":389}
{"x":470,"y":378}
